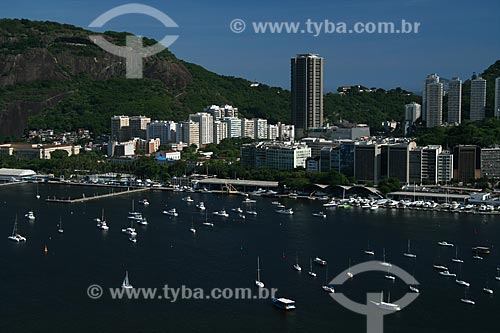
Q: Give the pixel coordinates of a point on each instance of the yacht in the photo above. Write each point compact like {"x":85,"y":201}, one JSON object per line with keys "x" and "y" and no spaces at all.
{"x":237,"y":210}
{"x":389,"y":276}
{"x":193,"y":230}
{"x":481,"y":250}
{"x":201,"y":206}
{"x":248,"y":201}
{"x":414,"y":289}
{"x":130,"y":230}
{"x":15,"y":236}
{"x":221,"y":213}
{"x":188,"y":199}
{"x":408,"y":254}
{"x":208,"y":224}
{"x":330,"y":203}
{"x":171,"y":212}
{"x":467,"y":301}
{"x":498,"y":274}
{"x":448,"y":274}
{"x":320,"y":261}
{"x":444,"y":243}
{"x":320,"y":214}
{"x":369,"y":252}
{"x":440,"y":267}
{"x":488,"y":290}
{"x":142,"y":221}
{"x":241,"y":216}
{"x":374,"y":207}
{"x":133,"y":239}
{"x":386,"y":306}
{"x":144,"y":202}
{"x":462,"y":283}
{"x":281,"y":206}
{"x":284,"y":303}
{"x":326,"y":287}
{"x":285,"y":211}
{"x":133,"y":212}
{"x":251,"y":212}
{"x":126,"y":283}
{"x":30,"y":216}
{"x":258,"y":282}
{"x":275,"y":203}
{"x":477,"y":257}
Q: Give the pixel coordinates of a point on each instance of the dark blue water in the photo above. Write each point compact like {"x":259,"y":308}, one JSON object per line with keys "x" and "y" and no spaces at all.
{"x":47,"y":293}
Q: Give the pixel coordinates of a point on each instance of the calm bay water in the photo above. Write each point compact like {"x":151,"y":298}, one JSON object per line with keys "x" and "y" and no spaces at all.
{"x":47,"y":293}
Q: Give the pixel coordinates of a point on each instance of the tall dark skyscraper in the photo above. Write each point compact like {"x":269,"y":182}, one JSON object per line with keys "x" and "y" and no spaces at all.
{"x":307,"y":92}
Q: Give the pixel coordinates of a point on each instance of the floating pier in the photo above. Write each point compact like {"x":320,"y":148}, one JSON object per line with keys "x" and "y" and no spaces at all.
{"x":95,"y":197}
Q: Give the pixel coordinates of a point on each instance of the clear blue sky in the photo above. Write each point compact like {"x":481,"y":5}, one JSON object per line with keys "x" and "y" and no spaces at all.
{"x":456,"y":36}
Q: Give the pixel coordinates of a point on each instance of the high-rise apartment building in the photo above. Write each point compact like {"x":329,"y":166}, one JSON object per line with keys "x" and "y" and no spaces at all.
{"x":431,"y":78}
{"x":163,"y":130}
{"x":260,"y":129}
{"x":119,"y":128}
{"x":434,"y":104}
{"x":477,"y":98}
{"x":307,"y":92}
{"x":138,"y":127}
{"x":247,"y":128}
{"x":455,"y":101}
{"x":233,"y":127}
{"x":413,"y":111}
{"x":206,"y":126}
{"x":497,"y":98}
{"x":220,"y":131}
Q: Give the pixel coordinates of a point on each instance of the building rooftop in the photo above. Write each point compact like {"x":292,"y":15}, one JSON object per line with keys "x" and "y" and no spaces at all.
{"x":16,"y":172}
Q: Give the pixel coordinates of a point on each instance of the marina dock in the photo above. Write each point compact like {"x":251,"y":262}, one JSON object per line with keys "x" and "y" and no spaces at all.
{"x":96,"y":197}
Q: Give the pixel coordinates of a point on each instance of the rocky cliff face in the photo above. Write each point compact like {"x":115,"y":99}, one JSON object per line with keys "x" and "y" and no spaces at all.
{"x":38,"y":51}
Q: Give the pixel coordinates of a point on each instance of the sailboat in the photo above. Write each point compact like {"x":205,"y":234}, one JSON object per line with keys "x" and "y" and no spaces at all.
{"x":498,"y":274}
{"x":206,"y":221}
{"x":15,"y":236}
{"x":349,"y":273}
{"x":409,"y":254}
{"x":386,"y":306}
{"x":101,"y":224}
{"x":326,"y":287}
{"x":389,"y":276}
{"x":297,"y":266}
{"x":126,"y":283}
{"x":37,"y":192}
{"x":60,"y":228}
{"x":369,"y":252}
{"x":456,"y":259}
{"x":385,"y":263}
{"x":45,"y":250}
{"x":193,"y":230}
{"x":311,"y":272}
{"x":258,"y":282}
{"x":467,"y":300}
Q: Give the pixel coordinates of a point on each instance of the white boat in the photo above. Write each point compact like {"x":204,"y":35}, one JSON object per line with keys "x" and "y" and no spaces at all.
{"x":311,"y":272}
{"x":171,"y":212}
{"x":467,"y":301}
{"x":251,"y":212}
{"x":237,"y":210}
{"x":241,"y":216}
{"x":221,"y":213}
{"x":374,"y":207}
{"x":133,"y":212}
{"x":440,"y":267}
{"x":275,"y":203}
{"x":386,"y":306}
{"x":319,"y":214}
{"x":188,"y":199}
{"x":60,"y":226}
{"x":366,"y":206}
{"x":130,"y":230}
{"x":281,"y":206}
{"x":285,"y":211}
{"x":389,"y":276}
{"x":142,"y":221}
{"x":456,"y":259}
{"x":349,"y":273}
{"x":447,"y":274}
{"x":330,"y":203}
{"x":385,"y":263}
{"x":208,"y":224}
{"x":126,"y":283}
{"x":258,"y":282}
{"x":101,"y":222}
{"x":369,"y":252}
{"x":408,"y":254}
{"x":326,"y":287}
{"x":414,"y":289}
{"x":201,"y":206}
{"x":30,"y":216}
{"x":284,"y":303}
{"x":296,"y":266}
{"x":144,"y":202}
{"x":320,"y":261}
{"x":463,"y":283}
{"x":444,"y":243}
{"x":477,"y":257}
{"x":37,"y":192}
{"x":248,"y":201}
{"x":488,"y":291}
{"x":498,"y":274}
{"x":132,"y":239}
{"x":193,"y":230}
{"x":16,"y":237}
